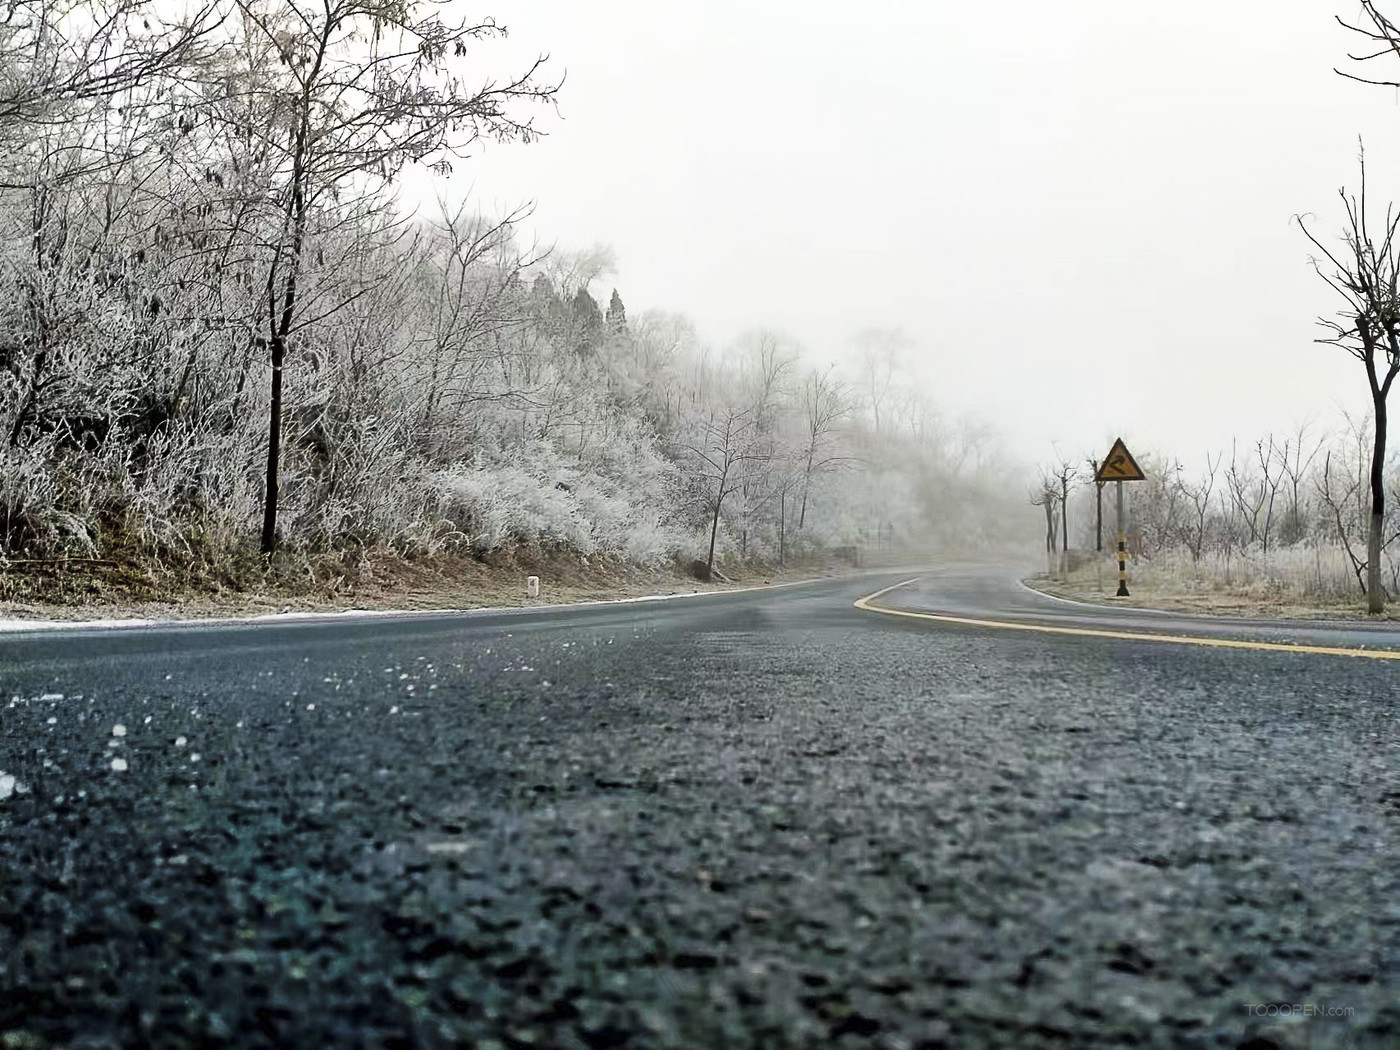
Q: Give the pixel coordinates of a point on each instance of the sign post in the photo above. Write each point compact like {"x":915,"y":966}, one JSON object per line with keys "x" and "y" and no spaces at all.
{"x":1119,"y":466}
{"x":1122,"y":546}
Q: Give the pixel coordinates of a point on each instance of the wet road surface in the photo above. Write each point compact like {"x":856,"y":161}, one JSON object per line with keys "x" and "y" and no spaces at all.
{"x":765,"y":819}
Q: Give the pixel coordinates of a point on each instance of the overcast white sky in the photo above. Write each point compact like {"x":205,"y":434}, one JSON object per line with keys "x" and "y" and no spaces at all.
{"x":1079,"y":212}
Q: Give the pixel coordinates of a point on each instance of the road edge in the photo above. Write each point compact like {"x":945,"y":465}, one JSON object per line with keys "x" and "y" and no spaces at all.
{"x":866,"y":604}
{"x":20,"y":626}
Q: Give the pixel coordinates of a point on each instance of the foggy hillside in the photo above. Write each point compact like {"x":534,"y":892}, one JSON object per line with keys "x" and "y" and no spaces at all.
{"x":209,"y":289}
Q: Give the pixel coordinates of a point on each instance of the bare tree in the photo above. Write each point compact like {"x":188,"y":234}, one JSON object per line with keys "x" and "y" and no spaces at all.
{"x":1199,"y":494}
{"x":56,"y":55}
{"x":1382,"y":37}
{"x":1296,"y":456}
{"x":824,"y":406}
{"x":1247,"y":494}
{"x":1045,"y":496}
{"x":1065,"y":473}
{"x":1338,"y":504}
{"x":331,"y":101}
{"x":765,"y":360}
{"x":1365,"y":273}
{"x":1270,"y":479}
{"x":721,"y":453}
{"x":880,"y":349}
{"x":470,"y":300}
{"x":1094,"y":465}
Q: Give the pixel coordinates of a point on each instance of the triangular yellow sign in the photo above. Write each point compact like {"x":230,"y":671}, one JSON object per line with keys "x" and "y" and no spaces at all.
{"x":1119,"y":465}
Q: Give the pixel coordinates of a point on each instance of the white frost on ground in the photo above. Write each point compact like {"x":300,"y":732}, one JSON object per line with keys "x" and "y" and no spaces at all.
{"x":7,"y":785}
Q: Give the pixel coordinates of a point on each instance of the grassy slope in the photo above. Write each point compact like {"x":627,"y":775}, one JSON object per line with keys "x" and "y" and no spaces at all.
{"x":370,"y":579}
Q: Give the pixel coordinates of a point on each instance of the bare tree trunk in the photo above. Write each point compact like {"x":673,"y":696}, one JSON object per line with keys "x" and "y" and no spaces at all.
{"x":714,"y":522}
{"x":1098,"y":513}
{"x":714,"y":532}
{"x":1064,"y":514}
{"x":1064,"y":523}
{"x":274,"y":447}
{"x":281,"y":325}
{"x":1375,"y":594}
{"x":1375,"y":590}
{"x":1050,"y":535}
{"x":806,"y":487}
{"x":782,"y":527}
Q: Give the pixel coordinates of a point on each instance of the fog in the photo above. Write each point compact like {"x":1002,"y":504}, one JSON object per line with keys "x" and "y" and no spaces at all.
{"x":733,"y":282}
{"x":1079,"y":214}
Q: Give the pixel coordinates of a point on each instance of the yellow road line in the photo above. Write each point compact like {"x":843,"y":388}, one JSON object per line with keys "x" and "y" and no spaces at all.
{"x":867,"y":604}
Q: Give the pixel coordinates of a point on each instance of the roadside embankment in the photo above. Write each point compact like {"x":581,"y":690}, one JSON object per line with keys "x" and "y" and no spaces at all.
{"x":375,"y":579}
{"x":1297,"y":584}
{"x":382,"y":580}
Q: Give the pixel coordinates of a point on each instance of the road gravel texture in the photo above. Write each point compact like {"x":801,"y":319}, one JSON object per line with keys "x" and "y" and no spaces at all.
{"x":761,"y":820}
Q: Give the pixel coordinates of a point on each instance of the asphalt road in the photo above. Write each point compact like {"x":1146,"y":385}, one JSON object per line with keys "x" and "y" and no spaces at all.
{"x":766,"y":819}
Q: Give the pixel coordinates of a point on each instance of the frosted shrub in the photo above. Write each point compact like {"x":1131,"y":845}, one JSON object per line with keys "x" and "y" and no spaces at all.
{"x":650,"y":541}
{"x":26,"y":499}
{"x":495,"y":507}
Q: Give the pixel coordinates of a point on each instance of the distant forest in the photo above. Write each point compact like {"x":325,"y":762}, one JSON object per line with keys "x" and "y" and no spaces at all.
{"x":220,"y":334}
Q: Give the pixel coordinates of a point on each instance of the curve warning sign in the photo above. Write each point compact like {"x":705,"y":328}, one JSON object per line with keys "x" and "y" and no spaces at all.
{"x":1119,"y":465}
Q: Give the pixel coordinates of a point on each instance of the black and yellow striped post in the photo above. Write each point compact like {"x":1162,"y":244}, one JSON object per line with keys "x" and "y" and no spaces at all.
{"x":1122,"y":547}
{"x":1119,"y":466}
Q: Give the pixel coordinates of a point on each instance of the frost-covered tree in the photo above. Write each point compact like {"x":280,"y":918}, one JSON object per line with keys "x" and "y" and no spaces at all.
{"x":616,"y":317}
{"x":331,"y":101}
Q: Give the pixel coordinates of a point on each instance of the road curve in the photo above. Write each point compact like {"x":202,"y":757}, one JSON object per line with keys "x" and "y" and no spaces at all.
{"x":993,"y":593}
{"x":765,"y":819}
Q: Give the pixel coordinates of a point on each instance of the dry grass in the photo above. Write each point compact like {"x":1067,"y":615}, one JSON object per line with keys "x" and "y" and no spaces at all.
{"x":1296,"y":583}
{"x":373,"y":578}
